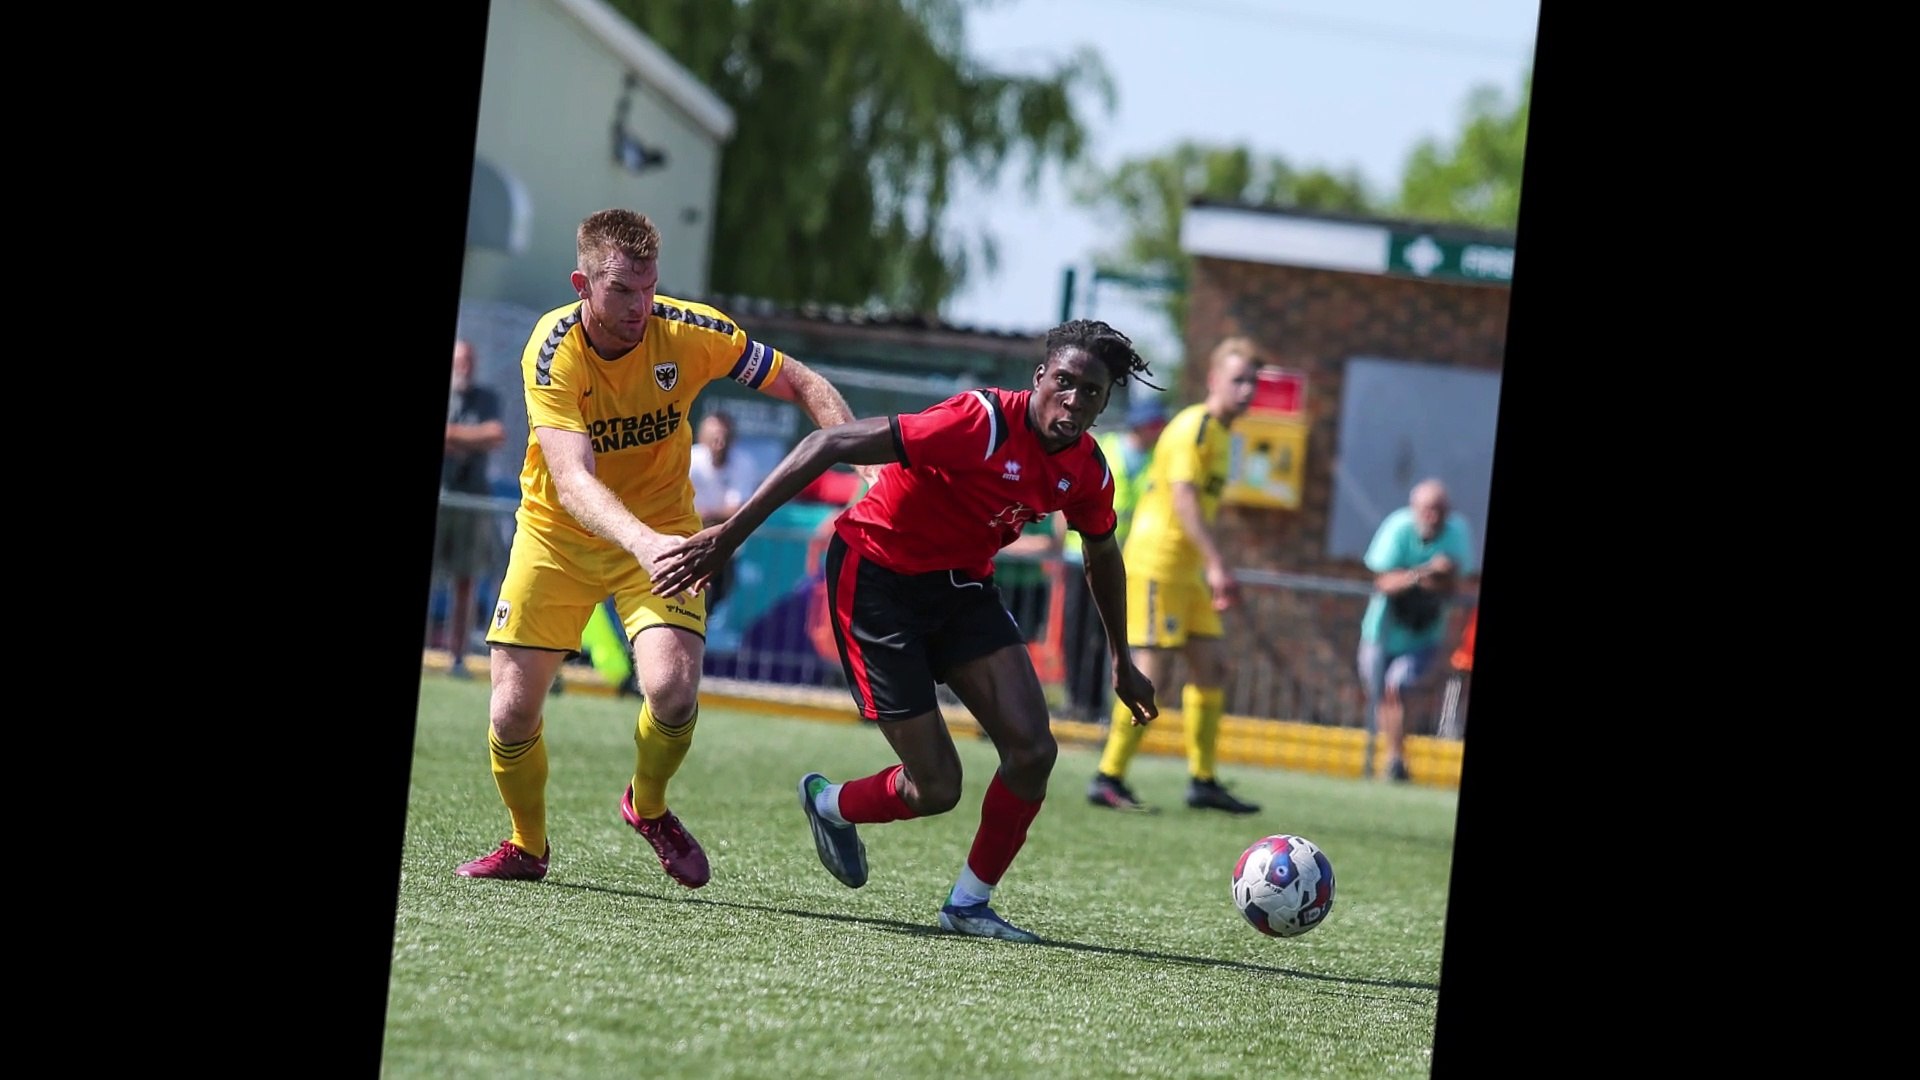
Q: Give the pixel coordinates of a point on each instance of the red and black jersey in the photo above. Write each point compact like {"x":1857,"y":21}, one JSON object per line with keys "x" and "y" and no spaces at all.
{"x":971,"y":475}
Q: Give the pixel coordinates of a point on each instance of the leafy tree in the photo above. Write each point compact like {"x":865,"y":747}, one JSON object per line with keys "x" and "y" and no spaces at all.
{"x":853,"y":120}
{"x":1475,"y":179}
{"x":1147,"y":197}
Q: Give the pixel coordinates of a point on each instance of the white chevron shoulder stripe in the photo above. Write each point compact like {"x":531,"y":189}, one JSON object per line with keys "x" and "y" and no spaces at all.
{"x":993,"y":422}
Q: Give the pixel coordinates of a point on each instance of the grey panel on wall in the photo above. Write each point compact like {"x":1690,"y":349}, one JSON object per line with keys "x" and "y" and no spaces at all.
{"x":1401,"y":422}
{"x":499,"y":210}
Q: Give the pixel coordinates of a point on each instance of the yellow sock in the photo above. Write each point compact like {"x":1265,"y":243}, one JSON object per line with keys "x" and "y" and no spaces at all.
{"x":661,"y":749}
{"x":520,"y":772}
{"x":1202,"y":709}
{"x":1123,"y":741}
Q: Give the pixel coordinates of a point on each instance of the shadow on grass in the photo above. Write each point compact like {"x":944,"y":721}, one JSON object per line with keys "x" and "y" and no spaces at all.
{"x":896,"y":926}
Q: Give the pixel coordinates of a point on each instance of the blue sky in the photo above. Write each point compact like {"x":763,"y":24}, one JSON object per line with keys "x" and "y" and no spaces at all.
{"x":1333,"y":83}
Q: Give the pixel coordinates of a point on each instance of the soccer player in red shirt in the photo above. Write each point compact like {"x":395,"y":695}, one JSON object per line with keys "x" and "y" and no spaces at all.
{"x":910,"y":576}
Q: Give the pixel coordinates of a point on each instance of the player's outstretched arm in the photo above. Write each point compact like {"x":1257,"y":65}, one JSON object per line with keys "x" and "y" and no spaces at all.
{"x":690,"y":563}
{"x":569,"y":456}
{"x":819,"y":399}
{"x":807,"y":388}
{"x":1107,"y":580}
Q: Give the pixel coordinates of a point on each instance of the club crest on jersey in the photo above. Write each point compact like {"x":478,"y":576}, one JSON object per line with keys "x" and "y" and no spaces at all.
{"x":500,"y":614}
{"x":667,"y":375}
{"x":1065,"y":484}
{"x":1013,"y":471}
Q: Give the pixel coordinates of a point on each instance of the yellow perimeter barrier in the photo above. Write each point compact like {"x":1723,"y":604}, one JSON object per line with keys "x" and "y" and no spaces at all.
{"x":1244,"y":740}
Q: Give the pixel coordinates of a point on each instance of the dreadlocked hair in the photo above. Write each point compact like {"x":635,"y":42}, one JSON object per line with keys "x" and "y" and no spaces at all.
{"x":1105,"y":344}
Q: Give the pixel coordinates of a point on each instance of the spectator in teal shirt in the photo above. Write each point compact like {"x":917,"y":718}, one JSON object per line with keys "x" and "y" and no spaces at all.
{"x":1418,"y":556}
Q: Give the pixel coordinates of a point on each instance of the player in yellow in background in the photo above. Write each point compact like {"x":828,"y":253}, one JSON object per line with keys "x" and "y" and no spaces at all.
{"x":1084,"y":640}
{"x":610,"y":381}
{"x":1178,"y":582}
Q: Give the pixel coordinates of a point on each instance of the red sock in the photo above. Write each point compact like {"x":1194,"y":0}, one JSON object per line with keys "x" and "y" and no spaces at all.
{"x":875,"y":798}
{"x":1004,"y":818}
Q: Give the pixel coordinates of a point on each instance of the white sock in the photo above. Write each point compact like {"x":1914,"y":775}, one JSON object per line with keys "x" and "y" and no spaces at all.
{"x":969,"y":889}
{"x":827,"y":802}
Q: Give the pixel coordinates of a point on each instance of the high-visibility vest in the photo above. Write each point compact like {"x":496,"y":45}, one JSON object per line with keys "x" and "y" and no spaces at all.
{"x":1126,"y":490}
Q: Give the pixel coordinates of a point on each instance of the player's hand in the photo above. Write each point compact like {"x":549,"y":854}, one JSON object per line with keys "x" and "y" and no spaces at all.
{"x":648,"y":551}
{"x":689,"y":565}
{"x":1226,"y":591}
{"x":1132,"y":689}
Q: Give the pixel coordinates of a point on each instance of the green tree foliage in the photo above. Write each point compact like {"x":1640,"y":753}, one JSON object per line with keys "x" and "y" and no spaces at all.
{"x":1146,"y":198}
{"x":854,"y":118}
{"x":1475,"y":178}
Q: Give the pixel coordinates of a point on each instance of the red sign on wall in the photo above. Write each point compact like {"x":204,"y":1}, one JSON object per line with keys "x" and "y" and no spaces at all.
{"x":1280,"y":392}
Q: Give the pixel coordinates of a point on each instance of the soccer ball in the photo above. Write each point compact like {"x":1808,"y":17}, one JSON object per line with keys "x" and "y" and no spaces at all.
{"x":1283,"y":884}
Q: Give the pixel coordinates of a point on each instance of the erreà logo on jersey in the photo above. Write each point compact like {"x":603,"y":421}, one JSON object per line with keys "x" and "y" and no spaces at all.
{"x":1013,"y":471}
{"x":667,"y":375}
{"x":624,"y":431}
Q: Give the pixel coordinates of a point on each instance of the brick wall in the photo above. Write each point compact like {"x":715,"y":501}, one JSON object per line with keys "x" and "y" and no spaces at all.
{"x":1314,"y":321}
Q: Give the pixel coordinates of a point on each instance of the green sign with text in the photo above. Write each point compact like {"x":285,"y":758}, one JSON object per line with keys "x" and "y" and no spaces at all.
{"x":1451,"y":260}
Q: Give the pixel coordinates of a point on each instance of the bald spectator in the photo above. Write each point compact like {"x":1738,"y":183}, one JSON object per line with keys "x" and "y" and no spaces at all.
{"x":1418,"y":555}
{"x":463,"y":544}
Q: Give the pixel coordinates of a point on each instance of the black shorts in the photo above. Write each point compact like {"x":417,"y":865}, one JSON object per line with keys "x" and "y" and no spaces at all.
{"x":899,"y":634}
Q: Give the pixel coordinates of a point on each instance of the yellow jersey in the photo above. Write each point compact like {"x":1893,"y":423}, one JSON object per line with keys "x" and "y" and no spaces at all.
{"x":635,"y":408}
{"x":1194,"y":449}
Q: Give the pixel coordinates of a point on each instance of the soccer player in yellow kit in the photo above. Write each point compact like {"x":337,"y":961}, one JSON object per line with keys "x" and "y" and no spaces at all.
{"x":1178,"y":582}
{"x":610,"y":381}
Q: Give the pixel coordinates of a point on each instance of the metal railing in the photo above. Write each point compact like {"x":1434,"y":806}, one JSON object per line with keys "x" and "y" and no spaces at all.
{"x":1293,"y":638}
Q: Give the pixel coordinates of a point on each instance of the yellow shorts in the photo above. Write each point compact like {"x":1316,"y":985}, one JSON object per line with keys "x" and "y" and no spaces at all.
{"x":1163,"y":614}
{"x":550,"y":590}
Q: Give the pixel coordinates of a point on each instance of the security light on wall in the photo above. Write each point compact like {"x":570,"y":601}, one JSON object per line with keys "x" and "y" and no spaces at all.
{"x":629,"y":152}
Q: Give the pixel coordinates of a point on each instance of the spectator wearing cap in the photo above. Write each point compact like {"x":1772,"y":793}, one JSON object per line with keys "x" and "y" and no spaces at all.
{"x":1083,"y":639}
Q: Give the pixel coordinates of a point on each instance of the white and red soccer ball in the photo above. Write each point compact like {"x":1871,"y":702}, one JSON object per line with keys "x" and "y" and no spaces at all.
{"x":1283,"y":884}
